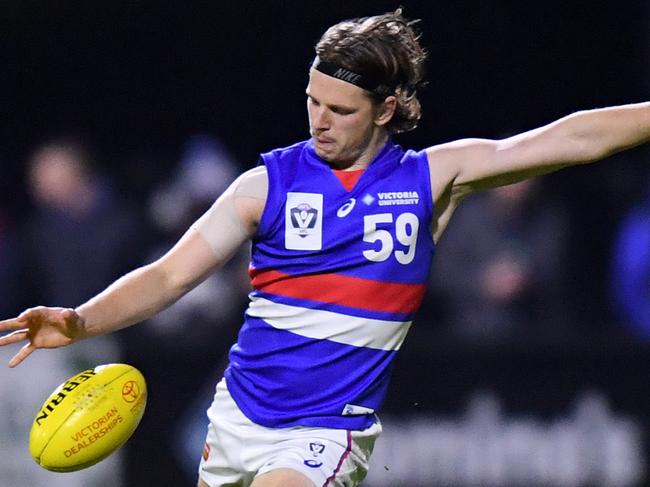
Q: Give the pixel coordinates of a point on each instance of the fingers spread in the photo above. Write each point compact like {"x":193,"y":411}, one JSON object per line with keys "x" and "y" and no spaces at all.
{"x":12,"y":324}
{"x":14,"y":337}
{"x":22,"y":355}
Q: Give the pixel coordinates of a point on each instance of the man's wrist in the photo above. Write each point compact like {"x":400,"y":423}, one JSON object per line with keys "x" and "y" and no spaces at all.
{"x":81,"y":330}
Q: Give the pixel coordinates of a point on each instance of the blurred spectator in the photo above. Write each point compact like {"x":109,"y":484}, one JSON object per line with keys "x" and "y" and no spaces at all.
{"x":205,"y":171}
{"x":499,"y":266}
{"x":81,"y":235}
{"x":79,"y":238}
{"x":193,"y":335}
{"x":631,"y":269}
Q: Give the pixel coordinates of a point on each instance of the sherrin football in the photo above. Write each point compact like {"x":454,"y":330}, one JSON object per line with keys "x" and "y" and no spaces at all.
{"x":88,"y":417}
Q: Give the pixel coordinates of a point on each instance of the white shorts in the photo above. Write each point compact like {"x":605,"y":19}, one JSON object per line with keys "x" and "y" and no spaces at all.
{"x":237,"y":449}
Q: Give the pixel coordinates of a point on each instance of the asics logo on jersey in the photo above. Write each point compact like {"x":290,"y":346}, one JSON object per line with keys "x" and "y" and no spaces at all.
{"x":346,"y":208}
{"x":303,"y":218}
{"x":392,"y":198}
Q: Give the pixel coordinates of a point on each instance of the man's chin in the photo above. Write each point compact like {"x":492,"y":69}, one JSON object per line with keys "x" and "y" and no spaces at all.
{"x":326,"y":155}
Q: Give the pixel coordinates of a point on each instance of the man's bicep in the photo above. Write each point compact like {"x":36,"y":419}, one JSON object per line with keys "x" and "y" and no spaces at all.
{"x":478,"y":164}
{"x":458,"y":169}
{"x":188,"y":263}
{"x":235,"y":216}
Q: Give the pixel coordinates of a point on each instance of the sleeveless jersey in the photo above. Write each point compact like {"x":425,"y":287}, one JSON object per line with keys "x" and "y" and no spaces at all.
{"x":337,"y":279}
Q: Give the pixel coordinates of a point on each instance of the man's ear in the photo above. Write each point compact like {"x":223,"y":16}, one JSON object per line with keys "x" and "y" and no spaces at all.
{"x":385,"y":110}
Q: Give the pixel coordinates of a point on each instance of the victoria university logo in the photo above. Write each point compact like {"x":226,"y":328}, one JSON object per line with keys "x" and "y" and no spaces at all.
{"x":303,"y":219}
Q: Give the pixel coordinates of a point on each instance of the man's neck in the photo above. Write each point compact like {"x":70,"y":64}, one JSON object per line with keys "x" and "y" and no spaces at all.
{"x":375,"y":145}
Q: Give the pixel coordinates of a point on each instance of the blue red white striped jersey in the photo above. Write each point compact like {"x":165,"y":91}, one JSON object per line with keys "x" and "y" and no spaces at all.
{"x":337,"y":278}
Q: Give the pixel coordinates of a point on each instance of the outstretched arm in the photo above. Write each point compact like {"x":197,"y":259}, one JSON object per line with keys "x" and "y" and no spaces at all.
{"x":465,"y":166}
{"x":140,"y":294}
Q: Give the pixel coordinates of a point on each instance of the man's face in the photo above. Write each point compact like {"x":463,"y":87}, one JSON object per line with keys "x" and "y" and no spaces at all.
{"x":56,"y":177}
{"x":341,"y":118}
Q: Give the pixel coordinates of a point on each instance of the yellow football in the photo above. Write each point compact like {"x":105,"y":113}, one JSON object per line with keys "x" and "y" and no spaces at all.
{"x":88,"y":417}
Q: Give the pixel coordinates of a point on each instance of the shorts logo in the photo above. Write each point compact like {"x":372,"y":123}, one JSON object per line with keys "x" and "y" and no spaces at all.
{"x":316,"y":448}
{"x":303,"y":221}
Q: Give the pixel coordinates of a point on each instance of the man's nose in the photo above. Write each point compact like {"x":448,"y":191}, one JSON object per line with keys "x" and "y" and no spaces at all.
{"x":321,"y":119}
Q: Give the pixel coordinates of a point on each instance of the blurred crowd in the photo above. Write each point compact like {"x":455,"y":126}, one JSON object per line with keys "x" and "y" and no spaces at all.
{"x":502,"y":275}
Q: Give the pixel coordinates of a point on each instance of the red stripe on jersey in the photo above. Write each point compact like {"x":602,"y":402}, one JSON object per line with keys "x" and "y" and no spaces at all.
{"x":391,"y":297}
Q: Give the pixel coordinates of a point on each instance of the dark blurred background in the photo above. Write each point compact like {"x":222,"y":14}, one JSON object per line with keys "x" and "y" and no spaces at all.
{"x":156,"y":97}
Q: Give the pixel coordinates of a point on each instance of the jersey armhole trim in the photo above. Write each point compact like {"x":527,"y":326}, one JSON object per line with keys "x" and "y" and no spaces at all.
{"x":266,"y":218}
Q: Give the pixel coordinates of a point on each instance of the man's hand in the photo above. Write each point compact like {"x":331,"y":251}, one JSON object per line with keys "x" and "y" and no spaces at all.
{"x":42,"y":327}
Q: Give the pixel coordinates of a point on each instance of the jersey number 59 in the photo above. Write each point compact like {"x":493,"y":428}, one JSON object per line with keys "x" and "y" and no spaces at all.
{"x":406,"y":232}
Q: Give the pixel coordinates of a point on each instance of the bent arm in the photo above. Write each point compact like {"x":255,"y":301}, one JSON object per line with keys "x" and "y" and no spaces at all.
{"x":207,"y":245}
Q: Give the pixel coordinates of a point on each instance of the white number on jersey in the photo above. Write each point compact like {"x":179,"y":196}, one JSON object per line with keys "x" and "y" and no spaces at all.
{"x":406,"y":232}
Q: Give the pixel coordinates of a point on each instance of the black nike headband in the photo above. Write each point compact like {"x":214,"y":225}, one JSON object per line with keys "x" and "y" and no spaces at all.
{"x":366,"y":82}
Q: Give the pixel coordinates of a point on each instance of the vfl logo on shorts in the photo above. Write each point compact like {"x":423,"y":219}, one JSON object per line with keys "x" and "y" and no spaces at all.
{"x":303,"y":221}
{"x":316,"y":448}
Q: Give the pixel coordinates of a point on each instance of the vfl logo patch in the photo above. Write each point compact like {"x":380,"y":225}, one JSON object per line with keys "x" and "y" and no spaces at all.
{"x":303,"y":221}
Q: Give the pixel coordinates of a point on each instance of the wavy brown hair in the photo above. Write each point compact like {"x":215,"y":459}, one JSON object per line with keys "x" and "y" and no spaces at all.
{"x":384,"y":47}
